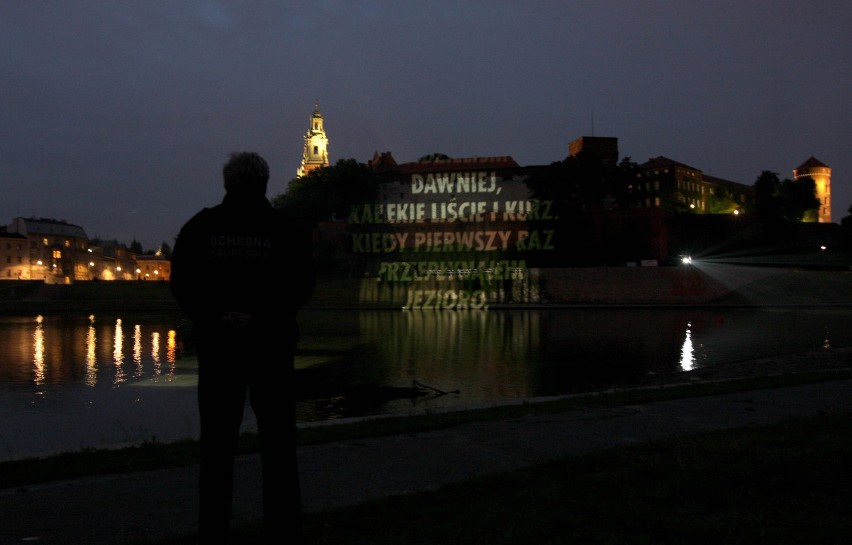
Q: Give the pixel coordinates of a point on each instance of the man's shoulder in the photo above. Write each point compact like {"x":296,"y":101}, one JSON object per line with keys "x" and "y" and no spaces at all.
{"x":201,"y":216}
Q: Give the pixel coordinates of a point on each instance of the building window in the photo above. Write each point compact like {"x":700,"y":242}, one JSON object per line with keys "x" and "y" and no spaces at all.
{"x":316,"y":150}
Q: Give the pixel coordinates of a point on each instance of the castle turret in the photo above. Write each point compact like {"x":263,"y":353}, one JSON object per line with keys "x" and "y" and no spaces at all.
{"x":821,"y":175}
{"x":315,"y":154}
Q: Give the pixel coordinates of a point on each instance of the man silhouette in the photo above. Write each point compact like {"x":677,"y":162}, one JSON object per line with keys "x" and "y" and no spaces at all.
{"x":241,"y":270}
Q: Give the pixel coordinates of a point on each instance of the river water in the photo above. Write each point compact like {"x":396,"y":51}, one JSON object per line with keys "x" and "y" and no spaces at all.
{"x":70,"y":382}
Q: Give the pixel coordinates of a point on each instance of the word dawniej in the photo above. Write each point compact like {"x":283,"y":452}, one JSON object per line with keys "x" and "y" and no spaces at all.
{"x":444,"y":212}
{"x":455,"y":182}
{"x":452,"y":241}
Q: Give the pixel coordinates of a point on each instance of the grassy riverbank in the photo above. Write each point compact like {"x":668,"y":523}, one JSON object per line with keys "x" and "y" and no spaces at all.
{"x":36,"y":297}
{"x":157,"y":455}
{"x":780,"y":484}
{"x":783,"y":484}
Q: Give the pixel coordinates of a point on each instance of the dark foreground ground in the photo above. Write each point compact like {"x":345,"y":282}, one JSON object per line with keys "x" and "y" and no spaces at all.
{"x":753,"y":466}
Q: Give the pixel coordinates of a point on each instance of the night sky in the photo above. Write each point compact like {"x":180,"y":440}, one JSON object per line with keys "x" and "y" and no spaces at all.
{"x":117,"y":116}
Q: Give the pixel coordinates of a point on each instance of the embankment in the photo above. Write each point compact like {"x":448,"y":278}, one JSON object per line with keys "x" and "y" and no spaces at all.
{"x":692,"y":285}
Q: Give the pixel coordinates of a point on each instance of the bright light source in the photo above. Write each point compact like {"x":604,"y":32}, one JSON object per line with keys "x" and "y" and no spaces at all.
{"x":822,"y":247}
{"x":686,"y":260}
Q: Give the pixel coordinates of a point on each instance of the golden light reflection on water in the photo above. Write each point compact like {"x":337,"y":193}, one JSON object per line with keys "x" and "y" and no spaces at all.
{"x":137,"y":351}
{"x":118,"y":353}
{"x":57,"y":348}
{"x":155,"y":353}
{"x":171,"y":350}
{"x":38,"y":352}
{"x":91,"y":353}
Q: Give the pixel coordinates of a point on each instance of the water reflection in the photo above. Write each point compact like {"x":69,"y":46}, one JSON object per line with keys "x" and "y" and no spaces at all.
{"x":63,"y":350}
{"x":67,"y":376}
{"x":155,"y":353}
{"x":171,"y":348}
{"x":137,"y":351}
{"x":91,"y":354}
{"x":38,"y":352}
{"x":687,"y":353}
{"x":118,"y":353}
{"x":494,"y":355}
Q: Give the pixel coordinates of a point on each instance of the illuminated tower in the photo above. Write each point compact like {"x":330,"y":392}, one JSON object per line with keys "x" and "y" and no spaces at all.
{"x":821,"y":175}
{"x":316,"y":146}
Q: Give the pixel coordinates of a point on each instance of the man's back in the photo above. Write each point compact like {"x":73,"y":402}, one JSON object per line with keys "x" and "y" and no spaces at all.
{"x":242,"y":256}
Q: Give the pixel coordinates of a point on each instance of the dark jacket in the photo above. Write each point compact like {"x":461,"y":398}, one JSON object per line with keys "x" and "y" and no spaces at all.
{"x":243,"y":256}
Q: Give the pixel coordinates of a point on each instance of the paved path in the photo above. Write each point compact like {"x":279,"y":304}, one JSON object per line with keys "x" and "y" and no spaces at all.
{"x":112,"y":510}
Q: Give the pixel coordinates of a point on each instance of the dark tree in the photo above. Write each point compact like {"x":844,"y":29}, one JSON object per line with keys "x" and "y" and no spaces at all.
{"x":433,"y":157}
{"x":165,"y":250}
{"x":767,"y":193}
{"x":621,"y":183}
{"x":136,"y":246}
{"x":790,"y":200}
{"x":328,"y":193}
{"x":846,"y":228}
{"x":722,"y":201}
{"x":572,"y":184}
{"x":798,"y":199}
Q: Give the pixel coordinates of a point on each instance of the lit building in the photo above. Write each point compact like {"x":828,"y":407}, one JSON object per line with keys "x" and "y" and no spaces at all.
{"x":821,"y":175}
{"x":113,"y":260}
{"x":153,"y":267}
{"x":58,"y":252}
{"x":315,"y":154}
{"x":670,"y":185}
{"x":14,"y":261}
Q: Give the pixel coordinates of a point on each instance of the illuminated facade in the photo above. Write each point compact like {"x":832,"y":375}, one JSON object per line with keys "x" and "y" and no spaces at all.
{"x":14,"y":260}
{"x":821,"y":175}
{"x":444,"y":188}
{"x":57,"y":252}
{"x":448,"y":233}
{"x":670,"y":185}
{"x":315,"y":154}
{"x":152,"y":267}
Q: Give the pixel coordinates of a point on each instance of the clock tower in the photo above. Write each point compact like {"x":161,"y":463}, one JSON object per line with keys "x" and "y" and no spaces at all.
{"x":315,"y":154}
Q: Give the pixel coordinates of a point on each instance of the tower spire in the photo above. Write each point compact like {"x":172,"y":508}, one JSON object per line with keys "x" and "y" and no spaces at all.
{"x":315,"y":153}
